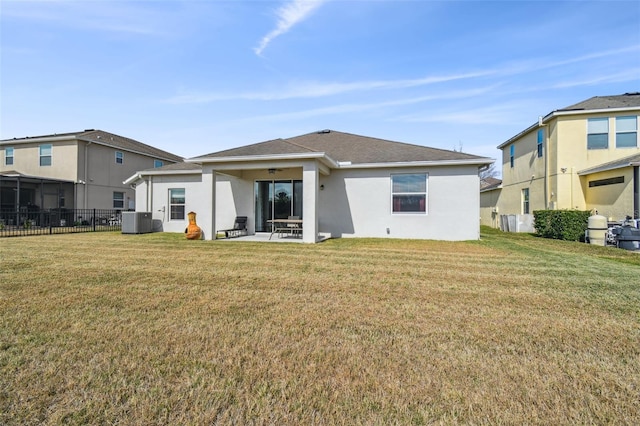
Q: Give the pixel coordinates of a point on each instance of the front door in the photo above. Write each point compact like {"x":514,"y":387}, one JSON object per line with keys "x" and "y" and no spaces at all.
{"x":276,"y":199}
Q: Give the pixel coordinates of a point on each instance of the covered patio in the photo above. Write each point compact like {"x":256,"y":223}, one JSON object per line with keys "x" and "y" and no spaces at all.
{"x":266,"y":189}
{"x":264,"y":237}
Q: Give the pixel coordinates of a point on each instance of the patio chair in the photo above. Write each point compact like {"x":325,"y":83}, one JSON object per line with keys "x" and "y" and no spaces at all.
{"x":239,"y":228}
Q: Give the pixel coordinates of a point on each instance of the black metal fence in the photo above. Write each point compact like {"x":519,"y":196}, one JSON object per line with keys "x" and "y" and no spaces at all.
{"x":58,"y":221}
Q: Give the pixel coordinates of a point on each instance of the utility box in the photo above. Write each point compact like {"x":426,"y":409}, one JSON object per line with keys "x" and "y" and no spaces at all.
{"x":137,"y":223}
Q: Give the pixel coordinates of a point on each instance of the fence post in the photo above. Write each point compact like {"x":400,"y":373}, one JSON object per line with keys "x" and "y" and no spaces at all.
{"x":94,"y":220}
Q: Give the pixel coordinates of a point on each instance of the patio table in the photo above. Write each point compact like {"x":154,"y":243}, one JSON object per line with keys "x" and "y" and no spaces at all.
{"x":281,"y":226}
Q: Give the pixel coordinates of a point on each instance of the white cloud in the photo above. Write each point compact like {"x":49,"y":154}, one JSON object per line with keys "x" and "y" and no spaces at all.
{"x":621,"y":77}
{"x":289,"y":15}
{"x":359,"y":107}
{"x":107,"y":16}
{"x":317,"y":90}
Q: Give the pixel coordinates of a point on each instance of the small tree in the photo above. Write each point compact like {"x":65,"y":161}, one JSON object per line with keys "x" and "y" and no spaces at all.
{"x":490,"y":171}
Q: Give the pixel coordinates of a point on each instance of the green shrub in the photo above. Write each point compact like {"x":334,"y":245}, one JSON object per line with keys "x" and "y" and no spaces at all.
{"x":569,"y":225}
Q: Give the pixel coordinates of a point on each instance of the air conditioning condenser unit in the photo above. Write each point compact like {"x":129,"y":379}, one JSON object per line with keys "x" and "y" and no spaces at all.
{"x":137,"y":223}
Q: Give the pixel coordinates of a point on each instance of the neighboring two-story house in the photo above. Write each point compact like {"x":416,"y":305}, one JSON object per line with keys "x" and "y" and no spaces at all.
{"x":585,"y":156}
{"x":78,"y":170}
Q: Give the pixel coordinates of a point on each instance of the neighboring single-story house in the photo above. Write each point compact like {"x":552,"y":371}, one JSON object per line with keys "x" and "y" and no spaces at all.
{"x":340,"y":184}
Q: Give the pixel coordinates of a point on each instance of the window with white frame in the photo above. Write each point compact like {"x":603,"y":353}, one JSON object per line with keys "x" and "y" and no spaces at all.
{"x":119,"y":157}
{"x":598,"y":133}
{"x":512,"y":155}
{"x":540,"y":142}
{"x":158,"y":163}
{"x":626,"y":132}
{"x":45,"y":155}
{"x":118,"y":200}
{"x":409,"y":193}
{"x":176,"y":204}
{"x":8,"y":156}
{"x":525,"y":201}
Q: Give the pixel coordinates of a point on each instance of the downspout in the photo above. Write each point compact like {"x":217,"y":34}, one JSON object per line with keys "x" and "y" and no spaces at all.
{"x":636,"y":192}
{"x":546,"y":169}
{"x":18,"y":195}
{"x":86,"y":173}
{"x":545,"y":153}
{"x":150,"y":195}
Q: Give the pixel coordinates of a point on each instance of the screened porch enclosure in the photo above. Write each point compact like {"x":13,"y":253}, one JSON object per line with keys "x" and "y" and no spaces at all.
{"x":276,"y":199}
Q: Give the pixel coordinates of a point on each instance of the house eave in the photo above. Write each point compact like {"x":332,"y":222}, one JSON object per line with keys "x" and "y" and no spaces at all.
{"x":139,"y":175}
{"x":265,"y":158}
{"x":38,"y":139}
{"x":491,"y":188}
{"x":119,"y":148}
{"x":405,"y":164}
{"x":616,"y":166}
{"x":561,"y":113}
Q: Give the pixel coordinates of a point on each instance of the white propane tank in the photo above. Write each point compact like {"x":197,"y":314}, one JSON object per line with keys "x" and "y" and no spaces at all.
{"x":597,"y":230}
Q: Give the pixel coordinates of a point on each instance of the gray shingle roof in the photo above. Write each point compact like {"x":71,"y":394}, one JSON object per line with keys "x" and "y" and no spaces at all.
{"x":632,"y":160}
{"x":626,"y":100}
{"x":181,"y":166}
{"x":109,"y":139}
{"x":489,"y":183}
{"x":346,"y":147}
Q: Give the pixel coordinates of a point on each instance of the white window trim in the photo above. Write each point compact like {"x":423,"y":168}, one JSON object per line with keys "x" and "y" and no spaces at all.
{"x":625,"y":132}
{"x":40,"y":156}
{"x":608,"y":132}
{"x":114,"y":200}
{"x":12,"y":156}
{"x":177,"y":204}
{"x":526,"y":199}
{"x":425,"y":193}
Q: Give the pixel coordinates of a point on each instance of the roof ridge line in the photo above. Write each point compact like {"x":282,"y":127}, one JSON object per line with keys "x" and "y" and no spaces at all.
{"x":299,"y":145}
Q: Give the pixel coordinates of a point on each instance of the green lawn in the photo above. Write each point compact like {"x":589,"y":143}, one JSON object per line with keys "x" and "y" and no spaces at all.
{"x":105,"y":328}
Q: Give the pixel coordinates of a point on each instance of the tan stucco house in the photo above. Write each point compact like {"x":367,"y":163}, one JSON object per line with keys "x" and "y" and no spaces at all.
{"x":585,"y":156}
{"x":73,"y":170}
{"x":339,"y":184}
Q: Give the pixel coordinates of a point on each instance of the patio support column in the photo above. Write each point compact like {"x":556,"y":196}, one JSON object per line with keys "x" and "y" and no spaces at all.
{"x":209,"y":214}
{"x":310,"y":202}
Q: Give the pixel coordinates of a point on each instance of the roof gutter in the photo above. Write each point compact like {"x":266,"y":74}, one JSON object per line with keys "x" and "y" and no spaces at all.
{"x":566,"y":112}
{"x":268,"y":157}
{"x":139,"y":175}
{"x":477,"y":161}
{"x":340,"y":164}
{"x":106,"y":143}
{"x":39,"y":139}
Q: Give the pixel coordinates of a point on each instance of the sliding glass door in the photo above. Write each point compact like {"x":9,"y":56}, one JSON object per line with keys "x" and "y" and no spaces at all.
{"x":276,"y":199}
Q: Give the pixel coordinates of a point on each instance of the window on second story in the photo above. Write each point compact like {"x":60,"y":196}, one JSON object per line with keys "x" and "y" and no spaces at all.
{"x":540,"y":142}
{"x":8,"y":156}
{"x":45,"y":155}
{"x":119,"y":157}
{"x":626,"y":132}
{"x":512,"y":155}
{"x":158,"y":163}
{"x":598,"y":133}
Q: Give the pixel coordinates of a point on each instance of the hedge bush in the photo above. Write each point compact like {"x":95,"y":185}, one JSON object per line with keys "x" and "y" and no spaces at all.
{"x":569,"y":225}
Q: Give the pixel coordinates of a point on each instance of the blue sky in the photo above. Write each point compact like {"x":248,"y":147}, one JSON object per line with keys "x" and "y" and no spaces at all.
{"x":194,"y":77}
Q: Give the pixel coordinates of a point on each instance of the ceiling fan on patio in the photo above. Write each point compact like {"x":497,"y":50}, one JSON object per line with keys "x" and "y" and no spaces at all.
{"x":273,"y":171}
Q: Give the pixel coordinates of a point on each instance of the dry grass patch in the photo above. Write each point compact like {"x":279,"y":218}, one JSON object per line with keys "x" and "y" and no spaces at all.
{"x":111,"y":328}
